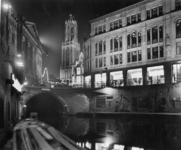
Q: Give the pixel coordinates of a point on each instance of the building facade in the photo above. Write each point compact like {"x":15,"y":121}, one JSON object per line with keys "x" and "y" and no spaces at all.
{"x":136,"y":45}
{"x":70,"y":50}
{"x":20,"y":61}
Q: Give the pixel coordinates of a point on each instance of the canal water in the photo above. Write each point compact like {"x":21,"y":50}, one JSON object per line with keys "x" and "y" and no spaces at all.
{"x":122,"y":133}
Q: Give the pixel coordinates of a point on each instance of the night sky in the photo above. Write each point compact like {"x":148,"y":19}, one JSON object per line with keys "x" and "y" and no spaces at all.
{"x":50,"y":15}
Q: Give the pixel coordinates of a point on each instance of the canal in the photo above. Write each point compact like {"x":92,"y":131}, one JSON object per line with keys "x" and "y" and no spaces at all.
{"x":122,"y":133}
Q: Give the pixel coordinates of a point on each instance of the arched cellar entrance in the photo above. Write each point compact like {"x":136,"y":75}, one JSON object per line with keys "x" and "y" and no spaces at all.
{"x":47,"y":107}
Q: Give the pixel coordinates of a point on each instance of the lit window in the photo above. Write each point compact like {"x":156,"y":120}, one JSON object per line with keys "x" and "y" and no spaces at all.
{"x":116,"y":79}
{"x":176,"y":73}
{"x":155,"y":75}
{"x":178,"y":29}
{"x":134,"y":77}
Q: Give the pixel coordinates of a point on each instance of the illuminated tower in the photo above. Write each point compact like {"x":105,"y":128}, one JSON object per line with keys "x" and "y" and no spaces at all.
{"x":70,"y":49}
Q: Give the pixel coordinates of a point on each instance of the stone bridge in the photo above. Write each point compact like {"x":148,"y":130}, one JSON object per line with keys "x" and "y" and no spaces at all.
{"x":71,"y":100}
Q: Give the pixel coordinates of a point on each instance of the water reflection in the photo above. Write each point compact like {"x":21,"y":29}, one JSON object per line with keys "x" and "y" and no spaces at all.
{"x":124,"y":133}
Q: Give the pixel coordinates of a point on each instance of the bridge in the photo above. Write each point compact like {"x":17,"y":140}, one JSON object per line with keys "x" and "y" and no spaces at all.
{"x":67,"y":100}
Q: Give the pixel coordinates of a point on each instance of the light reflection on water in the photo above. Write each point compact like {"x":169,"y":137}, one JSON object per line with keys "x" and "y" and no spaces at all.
{"x":123,"y":133}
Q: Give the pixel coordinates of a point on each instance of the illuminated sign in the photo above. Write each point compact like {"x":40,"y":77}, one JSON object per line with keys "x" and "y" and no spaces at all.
{"x":16,"y":84}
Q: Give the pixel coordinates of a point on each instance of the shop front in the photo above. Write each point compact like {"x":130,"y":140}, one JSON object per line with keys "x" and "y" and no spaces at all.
{"x":176,"y":74}
{"x":116,"y":79}
{"x":100,"y":80}
{"x":88,"y":81}
{"x":155,"y":75}
{"x":134,"y":77}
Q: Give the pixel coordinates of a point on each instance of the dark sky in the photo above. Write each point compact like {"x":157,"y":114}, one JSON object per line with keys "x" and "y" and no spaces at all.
{"x":50,"y":16}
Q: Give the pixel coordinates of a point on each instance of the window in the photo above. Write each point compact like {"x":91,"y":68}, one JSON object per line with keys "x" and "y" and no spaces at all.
{"x":120,"y":23}
{"x":154,"y":52}
{"x":100,"y":48}
{"x":148,"y":14}
{"x":133,"y":19}
{"x":139,"y":39}
{"x":148,"y":53}
{"x":134,"y":40}
{"x":111,"y":60}
{"x":128,"y":20}
{"x":95,"y":30}
{"x":104,"y":28}
{"x":154,"y":12}
{"x":116,"y":24}
{"x":100,"y":62}
{"x":139,"y":17}
{"x":178,"y":52}
{"x":129,"y":57}
{"x":115,"y":59}
{"x":178,"y":4}
{"x":120,"y":43}
{"x":104,"y":47}
{"x":111,"y":44}
{"x":161,"y":51}
{"x":148,"y":37}
{"x":96,"y":63}
{"x":134,"y":56}
{"x":154,"y":35}
{"x":111,"y":26}
{"x":134,"y":77}
{"x":104,"y":61}
{"x":139,"y":55}
{"x":128,"y":40}
{"x":178,"y":29}
{"x":176,"y":73}
{"x":120,"y":59}
{"x":160,"y":10}
{"x":161,"y":34}
{"x":100,"y":29}
{"x":96,"y":49}
{"x":115,"y":44}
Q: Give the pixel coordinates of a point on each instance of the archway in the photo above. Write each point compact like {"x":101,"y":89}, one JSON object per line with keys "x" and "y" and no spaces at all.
{"x":47,"y":107}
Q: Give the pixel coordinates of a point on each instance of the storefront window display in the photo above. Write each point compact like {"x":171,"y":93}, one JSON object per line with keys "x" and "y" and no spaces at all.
{"x":100,"y":80}
{"x":88,"y":81}
{"x":155,"y":75}
{"x":176,"y":73}
{"x":116,"y":79}
{"x":134,"y":77}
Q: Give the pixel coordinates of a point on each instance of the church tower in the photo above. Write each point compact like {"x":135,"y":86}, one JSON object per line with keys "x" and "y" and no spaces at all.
{"x":70,"y":49}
